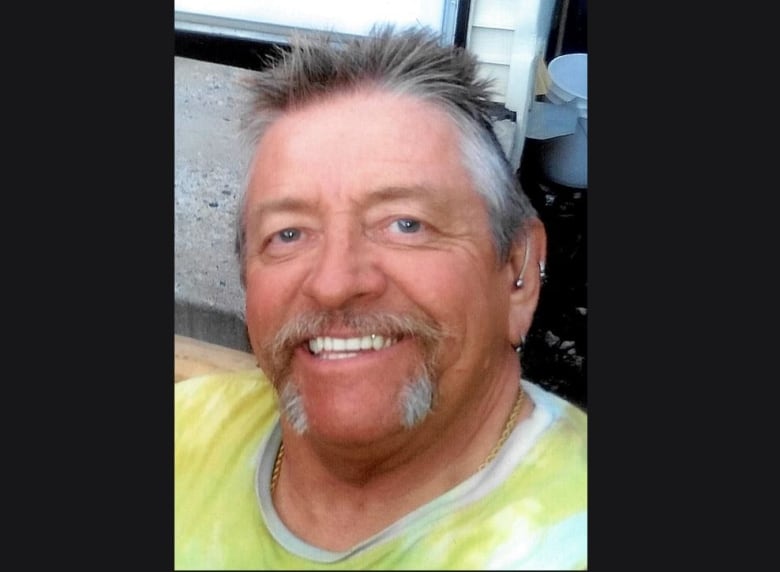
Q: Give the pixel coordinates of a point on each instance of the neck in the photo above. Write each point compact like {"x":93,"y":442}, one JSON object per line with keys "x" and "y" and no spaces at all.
{"x":335,"y":499}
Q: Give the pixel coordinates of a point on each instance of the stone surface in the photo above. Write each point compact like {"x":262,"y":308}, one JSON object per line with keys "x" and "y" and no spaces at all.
{"x":208,"y":173}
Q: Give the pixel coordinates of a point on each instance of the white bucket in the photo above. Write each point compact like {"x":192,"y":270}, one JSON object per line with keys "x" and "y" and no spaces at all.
{"x":564,"y":159}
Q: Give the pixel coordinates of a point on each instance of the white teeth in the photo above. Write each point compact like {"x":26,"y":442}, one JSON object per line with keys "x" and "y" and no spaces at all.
{"x":347,"y":347}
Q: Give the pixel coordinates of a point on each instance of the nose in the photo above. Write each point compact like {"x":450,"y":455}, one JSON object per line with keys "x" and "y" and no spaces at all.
{"x":346,"y":270}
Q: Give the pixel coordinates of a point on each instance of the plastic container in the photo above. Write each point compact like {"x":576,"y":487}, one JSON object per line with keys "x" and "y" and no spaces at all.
{"x":564,"y":159}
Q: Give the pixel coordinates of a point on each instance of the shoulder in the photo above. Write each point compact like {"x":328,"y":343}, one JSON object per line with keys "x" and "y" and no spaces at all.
{"x":209,"y":405}
{"x":225,"y":385}
{"x":545,"y":497}
{"x":565,"y":419}
{"x":554,"y":468}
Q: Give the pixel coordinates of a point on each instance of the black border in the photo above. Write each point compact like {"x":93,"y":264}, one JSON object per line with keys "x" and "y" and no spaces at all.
{"x":93,"y":394}
{"x":93,"y":102}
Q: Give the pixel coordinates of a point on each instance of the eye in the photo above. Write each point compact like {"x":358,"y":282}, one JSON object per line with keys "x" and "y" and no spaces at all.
{"x":283,"y":242}
{"x":407,"y":225}
{"x":289,"y":234}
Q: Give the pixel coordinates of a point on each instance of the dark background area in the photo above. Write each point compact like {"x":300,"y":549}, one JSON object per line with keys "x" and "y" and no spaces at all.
{"x":555,"y":348}
{"x":555,"y":352}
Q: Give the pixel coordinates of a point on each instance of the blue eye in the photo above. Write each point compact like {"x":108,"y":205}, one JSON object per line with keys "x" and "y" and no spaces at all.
{"x":407,"y":225}
{"x":289,"y":234}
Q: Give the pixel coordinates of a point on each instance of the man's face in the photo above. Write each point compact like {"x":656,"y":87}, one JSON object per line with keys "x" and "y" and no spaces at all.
{"x":369,"y":252}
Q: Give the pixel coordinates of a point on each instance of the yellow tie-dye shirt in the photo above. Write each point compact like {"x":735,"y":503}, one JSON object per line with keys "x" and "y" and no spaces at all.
{"x":526,"y":510}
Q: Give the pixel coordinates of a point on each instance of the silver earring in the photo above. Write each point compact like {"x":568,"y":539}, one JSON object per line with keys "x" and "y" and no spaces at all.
{"x":519,"y":282}
{"x":542,"y":273}
{"x":520,"y":344}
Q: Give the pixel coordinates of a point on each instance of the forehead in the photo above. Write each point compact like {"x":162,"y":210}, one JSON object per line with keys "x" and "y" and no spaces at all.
{"x":358,"y":141}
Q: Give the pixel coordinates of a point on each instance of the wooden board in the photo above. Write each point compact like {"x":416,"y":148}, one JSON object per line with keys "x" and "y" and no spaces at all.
{"x":195,"y":357}
{"x":542,"y":83}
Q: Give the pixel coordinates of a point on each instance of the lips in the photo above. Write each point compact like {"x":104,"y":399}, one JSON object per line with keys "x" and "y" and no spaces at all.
{"x":328,"y":347}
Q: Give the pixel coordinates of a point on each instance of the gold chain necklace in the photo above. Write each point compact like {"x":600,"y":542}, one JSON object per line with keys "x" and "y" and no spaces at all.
{"x":508,"y":426}
{"x":277,"y":466}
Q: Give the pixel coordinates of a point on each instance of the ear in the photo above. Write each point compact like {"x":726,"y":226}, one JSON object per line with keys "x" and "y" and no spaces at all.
{"x":531,"y":243}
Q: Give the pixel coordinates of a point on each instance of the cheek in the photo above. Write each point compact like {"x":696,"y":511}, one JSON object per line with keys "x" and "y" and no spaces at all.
{"x":268,"y":296}
{"x":462,"y":295}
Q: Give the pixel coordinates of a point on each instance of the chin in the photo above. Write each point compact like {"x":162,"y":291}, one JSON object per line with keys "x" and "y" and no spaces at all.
{"x":414,"y":404}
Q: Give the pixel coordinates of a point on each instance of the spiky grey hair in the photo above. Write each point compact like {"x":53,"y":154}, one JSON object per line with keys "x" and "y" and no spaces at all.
{"x":412,"y":62}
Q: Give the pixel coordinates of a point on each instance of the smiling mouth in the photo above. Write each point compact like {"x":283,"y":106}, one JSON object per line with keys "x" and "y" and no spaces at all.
{"x":339,"y":348}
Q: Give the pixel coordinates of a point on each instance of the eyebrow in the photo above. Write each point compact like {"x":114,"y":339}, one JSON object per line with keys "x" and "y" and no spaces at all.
{"x":385,"y":194}
{"x":390,"y":193}
{"x":373,"y":197}
{"x":284,"y":204}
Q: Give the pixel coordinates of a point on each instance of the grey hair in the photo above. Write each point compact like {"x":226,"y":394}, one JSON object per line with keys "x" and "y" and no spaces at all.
{"x":411,"y":62}
{"x":417,"y":400}
{"x":292,"y":408}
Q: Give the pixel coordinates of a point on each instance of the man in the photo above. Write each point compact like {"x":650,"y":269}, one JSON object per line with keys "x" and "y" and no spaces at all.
{"x":392,"y":268}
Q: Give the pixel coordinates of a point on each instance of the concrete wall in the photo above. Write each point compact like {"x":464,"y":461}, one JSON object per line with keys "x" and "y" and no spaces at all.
{"x":207,"y":182}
